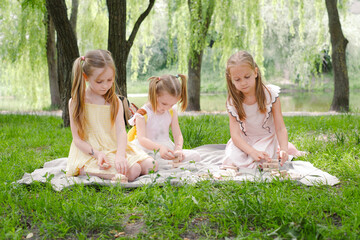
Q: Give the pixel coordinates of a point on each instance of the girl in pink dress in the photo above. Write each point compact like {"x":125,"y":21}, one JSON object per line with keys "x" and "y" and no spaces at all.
{"x":257,"y":128}
{"x":155,"y":118}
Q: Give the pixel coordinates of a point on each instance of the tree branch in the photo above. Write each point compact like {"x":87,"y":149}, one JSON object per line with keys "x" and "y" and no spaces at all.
{"x":130,"y":41}
{"x":209,"y":13}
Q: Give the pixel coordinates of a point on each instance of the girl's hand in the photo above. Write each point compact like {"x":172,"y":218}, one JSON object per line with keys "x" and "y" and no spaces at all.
{"x":102,"y":161}
{"x":166,"y":153}
{"x":259,"y":155}
{"x":284,"y":156}
{"x":121,"y":165}
{"x":179,"y":154}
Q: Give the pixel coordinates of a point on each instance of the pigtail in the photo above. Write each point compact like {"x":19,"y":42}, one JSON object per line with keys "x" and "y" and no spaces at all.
{"x":125,"y":104}
{"x":153,"y":92}
{"x":183,"y":96}
{"x":78,"y":95}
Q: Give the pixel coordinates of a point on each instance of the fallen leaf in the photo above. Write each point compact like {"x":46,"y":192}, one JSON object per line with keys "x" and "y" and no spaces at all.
{"x":30,"y":235}
{"x":119,"y":234}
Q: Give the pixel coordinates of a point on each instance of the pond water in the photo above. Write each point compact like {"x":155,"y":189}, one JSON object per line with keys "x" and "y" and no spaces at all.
{"x":290,"y":102}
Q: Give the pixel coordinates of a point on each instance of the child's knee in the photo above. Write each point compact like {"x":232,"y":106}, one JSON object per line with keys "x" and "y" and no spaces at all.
{"x":148,"y":165}
{"x":134,"y":172}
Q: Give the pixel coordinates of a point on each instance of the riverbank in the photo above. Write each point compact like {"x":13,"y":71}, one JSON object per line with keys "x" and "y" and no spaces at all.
{"x":58,"y":113}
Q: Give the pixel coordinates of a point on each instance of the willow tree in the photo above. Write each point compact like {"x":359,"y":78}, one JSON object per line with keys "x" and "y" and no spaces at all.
{"x":22,"y":52}
{"x":311,"y":44}
{"x":338,"y":42}
{"x":231,"y":25}
{"x":200,"y":18}
{"x":67,"y":52}
{"x":118,"y":45}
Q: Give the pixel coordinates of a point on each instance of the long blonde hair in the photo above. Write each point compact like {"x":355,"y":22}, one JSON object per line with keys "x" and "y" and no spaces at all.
{"x":171,"y":85}
{"x":237,"y":97}
{"x":86,"y":64}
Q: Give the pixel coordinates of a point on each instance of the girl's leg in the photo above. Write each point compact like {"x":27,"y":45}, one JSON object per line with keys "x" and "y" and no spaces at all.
{"x":147,"y":165}
{"x":293,"y":151}
{"x":133,"y":172}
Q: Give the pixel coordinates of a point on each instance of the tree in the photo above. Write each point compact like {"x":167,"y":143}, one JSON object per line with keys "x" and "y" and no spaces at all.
{"x":231,"y":26}
{"x":200,"y":19}
{"x":51,"y":53}
{"x":67,"y":52}
{"x":74,"y":13}
{"x":338,"y":42}
{"x":118,"y":45}
{"x":51,"y":62}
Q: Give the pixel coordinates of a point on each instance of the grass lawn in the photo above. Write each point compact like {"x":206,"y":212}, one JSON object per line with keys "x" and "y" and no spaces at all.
{"x":280,"y":209}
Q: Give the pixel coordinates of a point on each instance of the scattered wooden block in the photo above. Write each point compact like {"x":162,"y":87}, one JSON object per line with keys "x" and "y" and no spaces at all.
{"x":175,"y":164}
{"x":281,"y":173}
{"x":120,"y":178}
{"x":229,"y":167}
{"x":271,"y":165}
{"x":275,"y":160}
{"x":176,"y":159}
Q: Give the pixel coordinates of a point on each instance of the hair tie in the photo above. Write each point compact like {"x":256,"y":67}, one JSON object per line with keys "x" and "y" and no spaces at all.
{"x":177,"y":75}
{"x":82,"y":58}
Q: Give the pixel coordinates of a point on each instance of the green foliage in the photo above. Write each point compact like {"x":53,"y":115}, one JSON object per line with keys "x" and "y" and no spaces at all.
{"x":92,"y":25}
{"x":238,"y":25}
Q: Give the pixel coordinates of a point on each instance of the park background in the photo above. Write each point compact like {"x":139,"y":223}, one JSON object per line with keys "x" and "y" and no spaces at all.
{"x":290,"y":41}
{"x":294,"y":42}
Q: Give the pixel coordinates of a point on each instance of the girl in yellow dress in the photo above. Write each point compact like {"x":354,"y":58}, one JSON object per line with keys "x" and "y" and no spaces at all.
{"x":99,"y":146}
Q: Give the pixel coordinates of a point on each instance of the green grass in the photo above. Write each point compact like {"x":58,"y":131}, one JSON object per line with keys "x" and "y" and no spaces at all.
{"x":206,"y":210}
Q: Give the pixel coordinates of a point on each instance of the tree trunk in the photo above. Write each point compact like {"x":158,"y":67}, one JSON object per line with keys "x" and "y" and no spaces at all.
{"x":67,"y":52}
{"x":338,"y":42}
{"x":194,"y":71}
{"x":199,"y":26}
{"x":51,"y":60}
{"x":117,"y":43}
{"x":74,"y":13}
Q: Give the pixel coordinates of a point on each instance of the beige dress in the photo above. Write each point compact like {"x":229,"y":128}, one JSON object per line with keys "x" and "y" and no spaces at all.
{"x":258,"y":130}
{"x":101,"y":135}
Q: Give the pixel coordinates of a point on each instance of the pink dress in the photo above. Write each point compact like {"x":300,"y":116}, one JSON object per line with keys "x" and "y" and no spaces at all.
{"x":258,"y":130}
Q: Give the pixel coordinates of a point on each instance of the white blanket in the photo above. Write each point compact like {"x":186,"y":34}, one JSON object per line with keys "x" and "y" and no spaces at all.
{"x":188,"y":172}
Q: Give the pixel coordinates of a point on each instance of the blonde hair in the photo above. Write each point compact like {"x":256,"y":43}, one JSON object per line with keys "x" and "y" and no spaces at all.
{"x":86,"y":64}
{"x":237,"y":97}
{"x":171,"y":85}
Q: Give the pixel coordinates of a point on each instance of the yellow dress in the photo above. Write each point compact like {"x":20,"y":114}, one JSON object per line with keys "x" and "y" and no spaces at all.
{"x":101,"y":135}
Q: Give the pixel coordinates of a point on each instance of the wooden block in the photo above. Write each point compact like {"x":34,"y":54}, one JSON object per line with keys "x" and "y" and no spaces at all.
{"x":275,"y":160}
{"x":275,"y":173}
{"x":283,"y":173}
{"x":176,"y":159}
{"x":229,"y":167}
{"x":175,"y":164}
{"x":271,"y":165}
{"x":120,"y":178}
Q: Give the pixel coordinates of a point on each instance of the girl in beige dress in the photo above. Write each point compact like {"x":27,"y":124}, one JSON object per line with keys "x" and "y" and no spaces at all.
{"x":257,"y":128}
{"x":99,"y":145}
